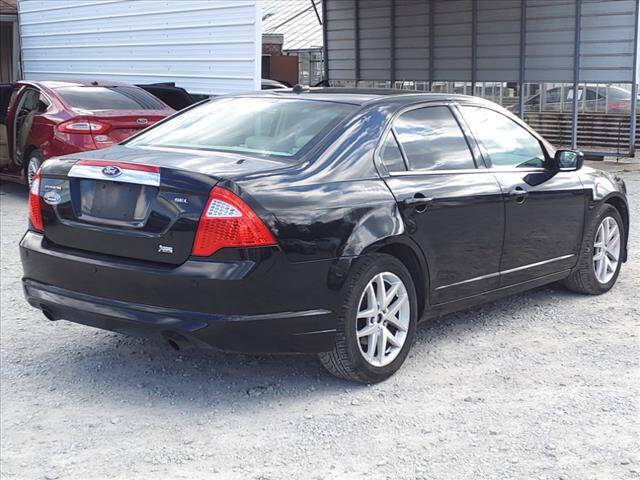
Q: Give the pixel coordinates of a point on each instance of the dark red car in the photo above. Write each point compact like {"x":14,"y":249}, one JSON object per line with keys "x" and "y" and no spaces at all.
{"x":39,"y":120}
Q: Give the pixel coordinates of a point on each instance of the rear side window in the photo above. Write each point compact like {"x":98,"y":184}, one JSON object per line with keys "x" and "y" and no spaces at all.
{"x":432,"y":140}
{"x":507,"y":143}
{"x":592,"y":95}
{"x":110,"y":98}
{"x":391,"y":155}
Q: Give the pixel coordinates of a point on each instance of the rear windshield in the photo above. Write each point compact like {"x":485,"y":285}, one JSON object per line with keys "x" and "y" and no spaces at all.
{"x":109,"y":98}
{"x":253,"y":125}
{"x":617,"y":93}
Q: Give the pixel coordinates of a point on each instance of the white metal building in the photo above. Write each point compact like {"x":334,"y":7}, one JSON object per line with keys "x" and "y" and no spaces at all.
{"x":9,"y":42}
{"x":204,"y":46}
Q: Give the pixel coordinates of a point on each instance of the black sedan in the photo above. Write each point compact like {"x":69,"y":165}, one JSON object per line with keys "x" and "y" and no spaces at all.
{"x":319,"y":221}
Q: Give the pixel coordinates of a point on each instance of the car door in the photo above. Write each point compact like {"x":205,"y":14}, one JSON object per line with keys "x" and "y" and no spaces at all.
{"x":26,"y":111}
{"x":5,"y":95}
{"x":544,"y":209}
{"x":452,"y":209}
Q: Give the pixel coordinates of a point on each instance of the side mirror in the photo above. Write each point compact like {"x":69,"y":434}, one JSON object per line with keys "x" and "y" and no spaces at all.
{"x":568,"y":160}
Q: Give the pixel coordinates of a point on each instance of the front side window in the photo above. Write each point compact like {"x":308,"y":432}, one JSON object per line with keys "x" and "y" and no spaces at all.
{"x":432,"y":140}
{"x":253,"y":125}
{"x":508,"y":144}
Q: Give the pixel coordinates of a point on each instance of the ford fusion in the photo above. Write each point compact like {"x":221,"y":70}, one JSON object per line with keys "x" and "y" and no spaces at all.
{"x":322,"y":221}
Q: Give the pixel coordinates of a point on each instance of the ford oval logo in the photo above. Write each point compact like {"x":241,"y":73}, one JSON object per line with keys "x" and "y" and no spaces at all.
{"x":142,"y":121}
{"x":112,"y":171}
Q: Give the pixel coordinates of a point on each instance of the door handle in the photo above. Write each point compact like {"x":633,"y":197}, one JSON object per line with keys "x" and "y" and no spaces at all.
{"x":419,"y":201}
{"x":519,"y":193}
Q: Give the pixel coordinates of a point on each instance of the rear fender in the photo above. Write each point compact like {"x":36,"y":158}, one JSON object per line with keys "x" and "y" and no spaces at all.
{"x":400,"y":246}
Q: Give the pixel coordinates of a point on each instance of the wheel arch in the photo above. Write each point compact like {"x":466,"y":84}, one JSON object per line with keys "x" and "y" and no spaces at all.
{"x":620,"y":204}
{"x":407,"y":252}
{"x":28,"y":150}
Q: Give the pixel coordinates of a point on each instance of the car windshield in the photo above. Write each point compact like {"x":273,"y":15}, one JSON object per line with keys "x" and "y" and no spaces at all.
{"x":110,"y":98}
{"x":259,"y":126}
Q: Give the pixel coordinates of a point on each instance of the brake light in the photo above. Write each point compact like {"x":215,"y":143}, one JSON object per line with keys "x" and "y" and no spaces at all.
{"x":84,"y":126}
{"x":620,"y":105}
{"x":35,"y":213}
{"x":228,"y":222}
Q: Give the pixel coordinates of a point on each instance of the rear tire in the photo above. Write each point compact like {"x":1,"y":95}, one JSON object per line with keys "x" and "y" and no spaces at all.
{"x":588,"y":277}
{"x":364,"y":323}
{"x":32,"y":166}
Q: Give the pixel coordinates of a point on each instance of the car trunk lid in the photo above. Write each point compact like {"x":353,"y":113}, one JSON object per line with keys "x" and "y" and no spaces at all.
{"x":122,"y":124}
{"x":146,"y":211}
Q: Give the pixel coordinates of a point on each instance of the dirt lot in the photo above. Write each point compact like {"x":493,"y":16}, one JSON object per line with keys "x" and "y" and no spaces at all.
{"x":543,"y":385}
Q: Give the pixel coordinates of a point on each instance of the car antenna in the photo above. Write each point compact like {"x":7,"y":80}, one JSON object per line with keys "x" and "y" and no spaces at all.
{"x":297,"y":88}
{"x":94,"y":83}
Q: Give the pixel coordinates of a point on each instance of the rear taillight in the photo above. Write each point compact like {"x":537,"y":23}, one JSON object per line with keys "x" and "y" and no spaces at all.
{"x":619,"y":105}
{"x":84,"y":126}
{"x":228,"y":222}
{"x":35,"y":213}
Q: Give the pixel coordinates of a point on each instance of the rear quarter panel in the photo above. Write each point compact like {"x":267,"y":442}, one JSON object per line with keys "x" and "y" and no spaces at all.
{"x":334,"y":204}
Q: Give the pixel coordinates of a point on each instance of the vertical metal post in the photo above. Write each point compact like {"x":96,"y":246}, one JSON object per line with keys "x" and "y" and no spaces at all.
{"x":356,"y":40}
{"x":634,"y":88}
{"x":523,"y":38}
{"x":392,"y":42}
{"x":15,"y":52}
{"x":474,"y":42}
{"x":431,"y":37}
{"x":576,"y":75}
{"x":325,"y":48}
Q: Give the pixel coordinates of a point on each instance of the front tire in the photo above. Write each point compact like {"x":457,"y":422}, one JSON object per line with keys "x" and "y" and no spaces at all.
{"x":32,"y":166}
{"x":376,"y":322}
{"x":600,"y":255}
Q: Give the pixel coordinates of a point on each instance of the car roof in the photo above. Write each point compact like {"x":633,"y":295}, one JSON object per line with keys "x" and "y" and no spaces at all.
{"x":54,"y":84}
{"x":362,"y":96}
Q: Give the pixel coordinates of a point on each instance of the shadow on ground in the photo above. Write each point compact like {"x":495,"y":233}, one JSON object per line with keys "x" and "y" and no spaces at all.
{"x":131,"y":368}
{"x":14,"y":189}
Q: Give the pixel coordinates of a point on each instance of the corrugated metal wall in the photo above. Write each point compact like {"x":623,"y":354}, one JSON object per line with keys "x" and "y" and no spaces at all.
{"x":443,"y":40}
{"x":498,"y":40}
{"x":205,"y":46}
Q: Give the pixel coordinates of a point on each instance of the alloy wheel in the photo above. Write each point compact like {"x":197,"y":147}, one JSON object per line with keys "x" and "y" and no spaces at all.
{"x":383,"y":319}
{"x":606,"y":250}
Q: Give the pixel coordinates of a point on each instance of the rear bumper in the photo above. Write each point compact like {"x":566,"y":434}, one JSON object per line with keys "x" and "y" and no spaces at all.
{"x":262,"y":304}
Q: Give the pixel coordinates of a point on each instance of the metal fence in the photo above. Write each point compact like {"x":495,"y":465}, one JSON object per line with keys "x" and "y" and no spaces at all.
{"x":512,"y":51}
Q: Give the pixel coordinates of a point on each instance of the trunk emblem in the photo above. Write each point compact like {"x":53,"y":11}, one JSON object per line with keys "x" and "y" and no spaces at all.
{"x":164,"y":249}
{"x":142,"y":121}
{"x":112,"y":171}
{"x":52,"y":197}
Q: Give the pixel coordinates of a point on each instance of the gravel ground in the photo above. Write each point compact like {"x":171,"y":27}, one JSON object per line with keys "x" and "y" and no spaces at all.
{"x":543,"y":385}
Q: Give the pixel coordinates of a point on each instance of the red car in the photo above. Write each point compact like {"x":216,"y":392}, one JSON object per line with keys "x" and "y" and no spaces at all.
{"x":39,"y":120}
